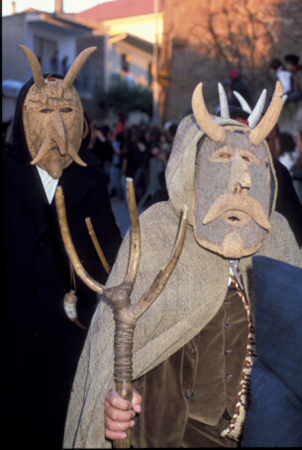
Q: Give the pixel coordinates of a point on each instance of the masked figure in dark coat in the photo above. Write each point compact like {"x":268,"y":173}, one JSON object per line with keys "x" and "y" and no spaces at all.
{"x":42,"y":345}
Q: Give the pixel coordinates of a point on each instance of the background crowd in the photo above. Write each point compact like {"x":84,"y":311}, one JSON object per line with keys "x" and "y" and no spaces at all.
{"x":140,"y":152}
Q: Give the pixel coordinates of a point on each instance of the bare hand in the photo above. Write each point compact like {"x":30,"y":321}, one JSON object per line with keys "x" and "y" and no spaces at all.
{"x":119,"y":414}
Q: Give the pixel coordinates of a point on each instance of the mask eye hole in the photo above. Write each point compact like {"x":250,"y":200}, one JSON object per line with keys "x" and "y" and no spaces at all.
{"x":250,"y":158}
{"x":223,"y":154}
{"x":46,"y":110}
{"x":65,"y":110}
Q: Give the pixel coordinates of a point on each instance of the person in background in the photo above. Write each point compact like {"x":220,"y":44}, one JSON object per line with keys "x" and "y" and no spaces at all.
{"x":120,"y":125}
{"x":54,"y":61}
{"x":156,"y":165}
{"x":292,"y":64}
{"x":288,"y":152}
{"x":281,"y":74}
{"x":287,"y":202}
{"x":296,"y":170}
{"x":237,"y":83}
{"x":65,"y":65}
{"x":101,"y":145}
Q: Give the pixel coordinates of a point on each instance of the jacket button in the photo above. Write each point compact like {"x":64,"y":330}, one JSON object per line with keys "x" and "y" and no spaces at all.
{"x":64,"y":335}
{"x":227,"y":351}
{"x":34,"y":335}
{"x":36,"y":289}
{"x":194,"y":352}
{"x":189,"y":394}
{"x":227,"y":326}
{"x":228,"y":376}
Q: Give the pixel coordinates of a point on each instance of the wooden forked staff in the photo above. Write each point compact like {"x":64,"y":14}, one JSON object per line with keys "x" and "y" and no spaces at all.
{"x":126,"y":315}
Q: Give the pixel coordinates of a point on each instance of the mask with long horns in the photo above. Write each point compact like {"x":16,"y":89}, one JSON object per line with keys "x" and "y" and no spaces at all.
{"x":53,"y":116}
{"x":234,"y":178}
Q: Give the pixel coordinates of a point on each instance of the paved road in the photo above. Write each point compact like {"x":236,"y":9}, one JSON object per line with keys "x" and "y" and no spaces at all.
{"x":120,"y":210}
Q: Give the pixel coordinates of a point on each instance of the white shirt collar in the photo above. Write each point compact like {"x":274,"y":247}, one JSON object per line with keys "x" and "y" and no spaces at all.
{"x":49,"y":183}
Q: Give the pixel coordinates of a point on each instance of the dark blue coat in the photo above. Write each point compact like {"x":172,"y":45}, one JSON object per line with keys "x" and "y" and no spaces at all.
{"x":275,"y":415}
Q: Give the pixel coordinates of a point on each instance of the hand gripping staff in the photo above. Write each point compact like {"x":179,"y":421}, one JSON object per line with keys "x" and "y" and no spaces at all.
{"x":126,"y":315}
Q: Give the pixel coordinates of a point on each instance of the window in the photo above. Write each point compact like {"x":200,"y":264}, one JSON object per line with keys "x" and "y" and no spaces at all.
{"x":125,"y":60}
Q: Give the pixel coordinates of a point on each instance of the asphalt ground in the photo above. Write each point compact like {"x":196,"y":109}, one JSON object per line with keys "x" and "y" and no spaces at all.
{"x":121,"y":213}
{"x":120,"y":210}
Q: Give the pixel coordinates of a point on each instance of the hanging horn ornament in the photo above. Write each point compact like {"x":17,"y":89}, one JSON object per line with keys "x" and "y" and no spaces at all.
{"x":125,"y":313}
{"x":243,"y":103}
{"x":76,"y":67}
{"x":70,"y":307}
{"x":35,"y":67}
{"x":256,"y":114}
{"x":267,"y":123}
{"x":203,"y":118}
{"x":224,"y":106}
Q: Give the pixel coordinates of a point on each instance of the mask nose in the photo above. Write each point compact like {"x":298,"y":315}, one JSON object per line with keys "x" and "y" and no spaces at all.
{"x":59,"y":134}
{"x":240,"y":181}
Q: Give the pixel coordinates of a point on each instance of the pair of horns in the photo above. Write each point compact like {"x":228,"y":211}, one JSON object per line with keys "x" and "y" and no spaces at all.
{"x":69,"y":77}
{"x":217,"y":132}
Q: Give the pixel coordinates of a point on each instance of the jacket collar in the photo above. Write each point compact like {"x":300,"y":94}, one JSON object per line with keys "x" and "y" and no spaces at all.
{"x":24,"y":179}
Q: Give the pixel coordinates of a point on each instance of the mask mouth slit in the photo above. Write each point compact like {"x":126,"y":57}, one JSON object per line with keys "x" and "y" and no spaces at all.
{"x":233,"y":219}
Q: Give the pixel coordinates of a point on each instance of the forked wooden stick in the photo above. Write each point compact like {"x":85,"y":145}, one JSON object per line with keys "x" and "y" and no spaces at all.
{"x":126,"y":315}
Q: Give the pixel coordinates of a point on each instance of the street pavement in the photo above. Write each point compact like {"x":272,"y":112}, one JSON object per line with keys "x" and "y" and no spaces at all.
{"x":120,"y":210}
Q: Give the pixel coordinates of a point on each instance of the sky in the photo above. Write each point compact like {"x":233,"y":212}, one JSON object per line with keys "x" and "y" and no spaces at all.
{"x":69,"y":6}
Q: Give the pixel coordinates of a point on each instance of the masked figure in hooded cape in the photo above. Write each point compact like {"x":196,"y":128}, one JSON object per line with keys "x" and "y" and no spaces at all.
{"x":43,"y":343}
{"x":195,"y":346}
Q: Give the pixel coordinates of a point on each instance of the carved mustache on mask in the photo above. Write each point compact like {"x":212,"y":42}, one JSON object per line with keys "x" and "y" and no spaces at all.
{"x":55,"y":139}
{"x":232,"y":203}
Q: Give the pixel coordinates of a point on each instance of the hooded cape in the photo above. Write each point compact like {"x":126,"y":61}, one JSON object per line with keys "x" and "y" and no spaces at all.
{"x":191,"y":298}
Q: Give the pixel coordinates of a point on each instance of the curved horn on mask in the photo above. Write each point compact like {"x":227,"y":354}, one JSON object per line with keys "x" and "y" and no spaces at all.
{"x":45,"y":148}
{"x":267,"y":123}
{"x":76,"y":157}
{"x":255,"y":115}
{"x":76,"y":67}
{"x":224,"y":106}
{"x":35,"y":67}
{"x":206,"y":123}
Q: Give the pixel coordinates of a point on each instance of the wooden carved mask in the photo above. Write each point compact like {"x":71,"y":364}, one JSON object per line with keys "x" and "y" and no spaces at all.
{"x":53,"y":117}
{"x":233,"y":186}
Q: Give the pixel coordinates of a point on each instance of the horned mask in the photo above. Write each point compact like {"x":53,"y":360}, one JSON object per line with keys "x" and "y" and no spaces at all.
{"x":53,"y":117}
{"x":234,"y":179}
